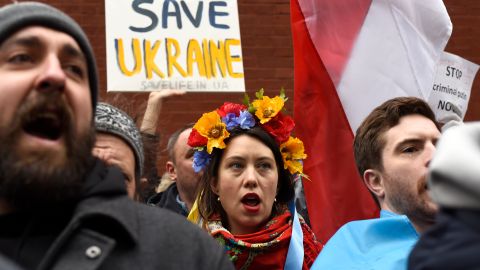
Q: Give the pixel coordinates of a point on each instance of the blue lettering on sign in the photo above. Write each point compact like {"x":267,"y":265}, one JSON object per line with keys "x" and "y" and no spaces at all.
{"x":150,"y":14}
{"x":213,"y":14}
{"x":172,"y":9}
{"x":198,"y":17}
{"x":175,"y":13}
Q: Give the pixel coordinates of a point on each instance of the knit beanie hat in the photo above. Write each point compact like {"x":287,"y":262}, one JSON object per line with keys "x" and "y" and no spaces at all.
{"x":111,"y":120}
{"x":14,"y":17}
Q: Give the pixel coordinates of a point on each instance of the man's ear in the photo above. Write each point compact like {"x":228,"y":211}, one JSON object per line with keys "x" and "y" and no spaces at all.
{"x":171,"y":170}
{"x":374,"y":182}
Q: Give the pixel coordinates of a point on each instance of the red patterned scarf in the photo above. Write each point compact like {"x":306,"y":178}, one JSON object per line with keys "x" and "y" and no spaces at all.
{"x":267,"y":248}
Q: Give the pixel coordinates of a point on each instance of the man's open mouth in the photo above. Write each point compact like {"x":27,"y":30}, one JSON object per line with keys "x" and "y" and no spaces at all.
{"x":46,"y":125}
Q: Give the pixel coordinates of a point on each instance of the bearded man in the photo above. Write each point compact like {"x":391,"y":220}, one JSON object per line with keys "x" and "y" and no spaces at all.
{"x":393,"y":147}
{"x":61,"y":208}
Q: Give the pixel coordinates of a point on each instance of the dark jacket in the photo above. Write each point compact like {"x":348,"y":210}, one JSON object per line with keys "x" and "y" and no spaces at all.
{"x":109,"y":231}
{"x":6,"y":264}
{"x":452,"y":243}
{"x":168,"y":200}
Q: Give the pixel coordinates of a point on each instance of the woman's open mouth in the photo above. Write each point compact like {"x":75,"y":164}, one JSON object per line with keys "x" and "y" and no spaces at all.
{"x":251,"y":202}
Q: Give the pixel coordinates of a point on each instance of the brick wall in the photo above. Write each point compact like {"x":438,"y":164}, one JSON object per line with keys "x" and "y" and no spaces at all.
{"x":267,"y":53}
{"x":465,"y":42}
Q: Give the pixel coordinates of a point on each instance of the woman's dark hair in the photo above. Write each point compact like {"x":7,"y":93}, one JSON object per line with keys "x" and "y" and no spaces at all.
{"x":208,"y":203}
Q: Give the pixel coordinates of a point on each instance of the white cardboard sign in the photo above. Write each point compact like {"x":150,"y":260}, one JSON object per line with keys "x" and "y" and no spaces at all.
{"x":452,"y":85}
{"x":173,"y":44}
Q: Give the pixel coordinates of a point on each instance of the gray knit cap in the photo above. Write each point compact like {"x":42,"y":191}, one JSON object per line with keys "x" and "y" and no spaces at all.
{"x":109,"y":119}
{"x":14,"y":17}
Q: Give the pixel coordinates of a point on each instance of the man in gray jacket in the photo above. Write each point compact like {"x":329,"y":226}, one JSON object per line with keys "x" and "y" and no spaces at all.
{"x":61,"y":208}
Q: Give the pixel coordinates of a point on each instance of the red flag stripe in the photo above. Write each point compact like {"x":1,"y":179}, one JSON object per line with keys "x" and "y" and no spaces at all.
{"x":335,"y":194}
{"x":333,"y":27}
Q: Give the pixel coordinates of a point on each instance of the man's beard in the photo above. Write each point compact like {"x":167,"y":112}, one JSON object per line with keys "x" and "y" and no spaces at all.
{"x":414,"y":205}
{"x":34,"y":178}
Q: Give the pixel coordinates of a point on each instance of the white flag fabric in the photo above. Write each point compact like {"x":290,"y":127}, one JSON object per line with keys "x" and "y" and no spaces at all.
{"x":395,"y":55}
{"x":350,"y":56}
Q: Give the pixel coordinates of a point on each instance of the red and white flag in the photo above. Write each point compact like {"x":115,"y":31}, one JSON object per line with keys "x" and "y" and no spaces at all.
{"x":351,"y":56}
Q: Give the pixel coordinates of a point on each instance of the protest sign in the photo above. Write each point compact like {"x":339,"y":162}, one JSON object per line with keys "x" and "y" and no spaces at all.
{"x":168,"y":44}
{"x":452,"y":85}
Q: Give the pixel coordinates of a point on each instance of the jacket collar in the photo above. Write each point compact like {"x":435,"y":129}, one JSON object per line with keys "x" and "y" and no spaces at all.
{"x":104,"y":196}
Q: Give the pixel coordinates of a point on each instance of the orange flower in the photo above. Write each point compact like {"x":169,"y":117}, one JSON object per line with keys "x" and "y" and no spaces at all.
{"x":293,"y":152}
{"x":266,"y":108}
{"x":210,"y":125}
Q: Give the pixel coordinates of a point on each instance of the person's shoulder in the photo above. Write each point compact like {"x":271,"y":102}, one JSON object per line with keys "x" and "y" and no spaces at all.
{"x":378,"y":229}
{"x":348,"y":248}
{"x":150,"y":213}
{"x":172,"y":234}
{"x":169,"y":227}
{"x":155,"y":198}
{"x":161,"y":197}
{"x":357,"y":225}
{"x":340,"y":252}
{"x":380,"y":243}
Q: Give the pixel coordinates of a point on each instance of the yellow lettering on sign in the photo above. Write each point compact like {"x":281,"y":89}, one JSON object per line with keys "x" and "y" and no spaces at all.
{"x":195,"y":56}
{"x":206,"y":58}
{"x":173,"y":52}
{"x":210,"y":58}
{"x":230,"y":58}
{"x":136,"y":54}
{"x":150,"y":53}
{"x":217,"y":54}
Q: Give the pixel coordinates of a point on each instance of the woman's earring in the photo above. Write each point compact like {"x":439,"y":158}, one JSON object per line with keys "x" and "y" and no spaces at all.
{"x":275,"y":200}
{"x":218,"y":198}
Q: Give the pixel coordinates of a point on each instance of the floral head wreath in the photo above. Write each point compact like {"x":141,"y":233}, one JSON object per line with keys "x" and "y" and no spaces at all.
{"x":213,"y":128}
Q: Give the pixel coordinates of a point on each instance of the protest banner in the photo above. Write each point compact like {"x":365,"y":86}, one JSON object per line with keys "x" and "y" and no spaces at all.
{"x":452,"y":86}
{"x":169,"y":44}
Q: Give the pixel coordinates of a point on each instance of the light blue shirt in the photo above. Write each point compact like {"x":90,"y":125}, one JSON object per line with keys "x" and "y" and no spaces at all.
{"x":382,"y":243}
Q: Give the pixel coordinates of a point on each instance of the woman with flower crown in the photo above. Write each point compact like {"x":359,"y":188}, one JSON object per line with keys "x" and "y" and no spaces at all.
{"x":249,"y":160}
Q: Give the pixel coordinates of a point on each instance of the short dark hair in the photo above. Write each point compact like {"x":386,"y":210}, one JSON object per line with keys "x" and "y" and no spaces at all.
{"x":208,"y":203}
{"x":173,"y":140}
{"x":369,"y":141}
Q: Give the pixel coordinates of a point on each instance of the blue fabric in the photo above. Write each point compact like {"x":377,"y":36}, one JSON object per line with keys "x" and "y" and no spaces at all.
{"x":295,"y":253}
{"x":381,"y":243}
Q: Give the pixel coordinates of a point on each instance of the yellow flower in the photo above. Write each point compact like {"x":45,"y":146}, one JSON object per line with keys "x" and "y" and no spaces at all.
{"x":210,"y":125}
{"x":266,"y":108}
{"x":293,"y":152}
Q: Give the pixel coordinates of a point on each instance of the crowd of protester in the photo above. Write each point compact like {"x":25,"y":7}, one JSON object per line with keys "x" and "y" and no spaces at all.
{"x":80,"y":189}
